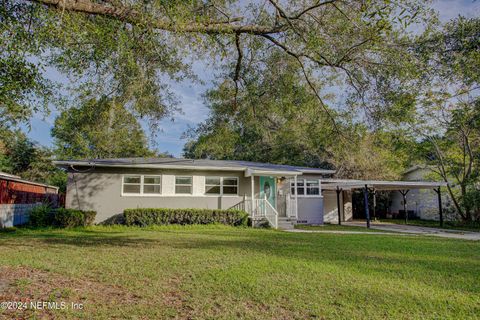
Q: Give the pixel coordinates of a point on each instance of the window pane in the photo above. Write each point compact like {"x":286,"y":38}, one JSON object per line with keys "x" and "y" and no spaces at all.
{"x":212,"y":190}
{"x":312,"y":191}
{"x":131,"y":188}
{"x":229,"y":181}
{"x":131,"y":179}
{"x":301,"y":191}
{"x":151,"y":188}
{"x":229,"y":190}
{"x":151,"y":180}
{"x":212,"y":181}
{"x":300,"y":183}
{"x":183,"y":180}
{"x":183,"y":189}
{"x":312,"y":183}
{"x":292,"y":190}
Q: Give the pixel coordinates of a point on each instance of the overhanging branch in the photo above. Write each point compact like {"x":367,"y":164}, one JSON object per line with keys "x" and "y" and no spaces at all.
{"x":132,"y":16}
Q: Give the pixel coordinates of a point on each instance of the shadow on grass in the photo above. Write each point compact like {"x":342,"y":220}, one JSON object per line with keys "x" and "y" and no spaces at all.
{"x":73,"y":237}
{"x":398,"y":257}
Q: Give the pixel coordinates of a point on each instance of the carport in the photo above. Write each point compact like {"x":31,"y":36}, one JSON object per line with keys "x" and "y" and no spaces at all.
{"x":372,"y":186}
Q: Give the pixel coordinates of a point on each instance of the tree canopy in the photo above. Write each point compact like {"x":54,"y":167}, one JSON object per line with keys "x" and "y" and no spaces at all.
{"x":99,"y":129}
{"x":276,"y":118}
{"x":21,"y":156}
{"x":127,"y":49}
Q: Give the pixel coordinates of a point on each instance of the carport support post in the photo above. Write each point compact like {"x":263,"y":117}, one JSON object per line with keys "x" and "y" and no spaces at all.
{"x":374,"y":204}
{"x":440,"y":211}
{"x":404,"y":194}
{"x":296,"y":197}
{"x":365,"y":199}
{"x":338,"y":205}
{"x":252,"y":208}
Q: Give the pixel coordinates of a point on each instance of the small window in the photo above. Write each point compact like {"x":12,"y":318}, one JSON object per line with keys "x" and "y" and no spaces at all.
{"x":313,"y":188}
{"x":183,"y":185}
{"x":221,"y":185}
{"x":132,"y":184}
{"x":213,"y":185}
{"x":301,"y":187}
{"x":230,"y":186}
{"x":151,"y":184}
{"x":306,"y":188}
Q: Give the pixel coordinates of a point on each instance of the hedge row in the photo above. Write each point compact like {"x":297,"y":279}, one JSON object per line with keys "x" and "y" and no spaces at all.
{"x":160,"y":216}
{"x":45,"y":216}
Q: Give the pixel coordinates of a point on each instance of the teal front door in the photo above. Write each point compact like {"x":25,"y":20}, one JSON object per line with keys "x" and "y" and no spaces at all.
{"x":268,"y":190}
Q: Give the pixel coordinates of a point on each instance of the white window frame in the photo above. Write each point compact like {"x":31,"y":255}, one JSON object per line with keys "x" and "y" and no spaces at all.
{"x":151,"y":184}
{"x":305,"y":195}
{"x":221,"y":194}
{"x":142,"y":178}
{"x":183,"y":185}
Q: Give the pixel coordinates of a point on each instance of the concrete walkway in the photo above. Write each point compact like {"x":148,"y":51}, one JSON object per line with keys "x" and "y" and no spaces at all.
{"x":408,"y":229}
{"x":349,"y":232}
{"x":391,"y":229}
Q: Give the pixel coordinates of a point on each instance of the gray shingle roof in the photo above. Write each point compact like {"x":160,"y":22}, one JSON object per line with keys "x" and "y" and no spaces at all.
{"x":200,"y":164}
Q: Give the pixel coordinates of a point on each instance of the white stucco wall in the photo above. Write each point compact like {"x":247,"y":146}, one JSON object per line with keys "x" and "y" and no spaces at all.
{"x":330,"y":212}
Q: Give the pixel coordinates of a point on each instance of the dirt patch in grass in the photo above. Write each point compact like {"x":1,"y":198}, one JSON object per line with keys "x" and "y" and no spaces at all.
{"x":177,"y":300}
{"x":28,"y":285}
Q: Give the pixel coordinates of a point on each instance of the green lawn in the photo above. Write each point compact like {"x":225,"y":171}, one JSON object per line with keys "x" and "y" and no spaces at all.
{"x":224,"y":272}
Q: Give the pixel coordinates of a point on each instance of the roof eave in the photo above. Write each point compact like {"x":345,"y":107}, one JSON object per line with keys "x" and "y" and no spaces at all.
{"x":20,"y":180}
{"x":276,"y":173}
{"x":68,"y":164}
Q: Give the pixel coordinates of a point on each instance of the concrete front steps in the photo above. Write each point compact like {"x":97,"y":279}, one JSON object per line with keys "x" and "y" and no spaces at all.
{"x":285,"y":223}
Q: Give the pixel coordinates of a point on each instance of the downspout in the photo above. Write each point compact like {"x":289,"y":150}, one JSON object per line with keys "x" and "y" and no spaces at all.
{"x":296,"y":198}
{"x":76,"y":191}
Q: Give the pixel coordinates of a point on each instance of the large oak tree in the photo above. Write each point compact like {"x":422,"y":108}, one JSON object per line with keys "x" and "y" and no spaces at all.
{"x":129,"y":49}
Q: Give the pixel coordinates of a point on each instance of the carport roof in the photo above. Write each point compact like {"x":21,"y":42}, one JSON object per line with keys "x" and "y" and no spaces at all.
{"x":332,"y":184}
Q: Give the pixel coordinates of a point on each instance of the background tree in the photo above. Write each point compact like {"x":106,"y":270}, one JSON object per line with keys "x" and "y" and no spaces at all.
{"x":276,"y":119}
{"x":435,"y":99}
{"x":99,"y":129}
{"x":22,"y":157}
{"x":449,"y":109}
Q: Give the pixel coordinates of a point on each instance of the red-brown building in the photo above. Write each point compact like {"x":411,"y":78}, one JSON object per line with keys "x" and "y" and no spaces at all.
{"x":18,"y":196}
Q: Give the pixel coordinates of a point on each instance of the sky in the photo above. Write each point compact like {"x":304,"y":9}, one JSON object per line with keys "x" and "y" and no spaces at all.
{"x":189,"y":94}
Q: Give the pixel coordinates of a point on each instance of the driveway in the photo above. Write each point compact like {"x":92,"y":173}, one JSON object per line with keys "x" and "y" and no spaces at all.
{"x":437,"y":232}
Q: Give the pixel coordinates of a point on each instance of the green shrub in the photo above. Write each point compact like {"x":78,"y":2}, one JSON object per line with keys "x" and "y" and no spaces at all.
{"x":154,"y":216}
{"x":40,"y":216}
{"x":45,"y":216}
{"x":89,"y":217}
{"x":65,"y":218}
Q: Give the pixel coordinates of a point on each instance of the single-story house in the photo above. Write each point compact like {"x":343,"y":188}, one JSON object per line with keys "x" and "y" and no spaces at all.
{"x":283,"y":194}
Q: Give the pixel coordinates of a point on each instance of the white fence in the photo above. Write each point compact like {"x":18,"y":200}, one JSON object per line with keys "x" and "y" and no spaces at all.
{"x":261,"y":209}
{"x":15,"y":214}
